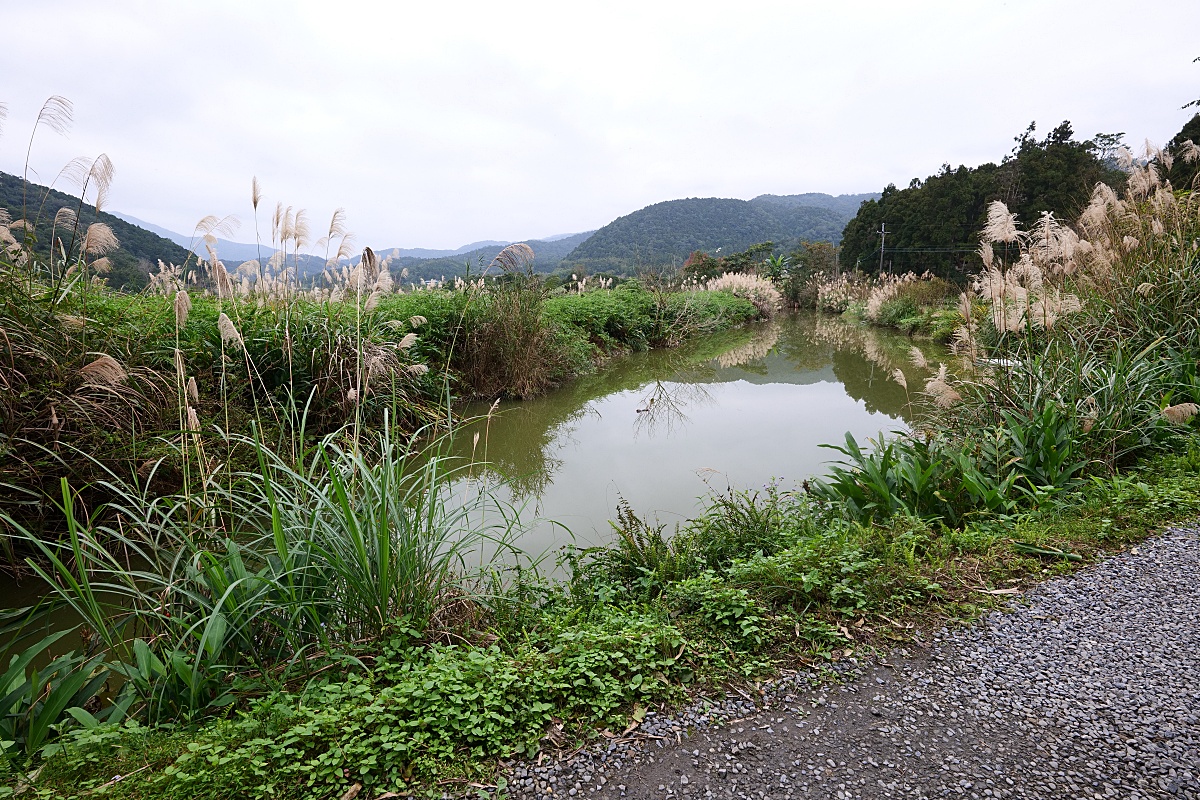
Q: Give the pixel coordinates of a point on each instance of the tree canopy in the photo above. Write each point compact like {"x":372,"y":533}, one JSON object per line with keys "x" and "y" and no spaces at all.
{"x":933,"y":225}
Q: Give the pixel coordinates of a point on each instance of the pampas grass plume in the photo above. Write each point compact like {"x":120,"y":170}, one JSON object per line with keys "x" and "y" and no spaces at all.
{"x":104,"y":371}
{"x":99,"y":240}
{"x":229,"y":333}
{"x":1179,"y":414}
{"x":183,"y":304}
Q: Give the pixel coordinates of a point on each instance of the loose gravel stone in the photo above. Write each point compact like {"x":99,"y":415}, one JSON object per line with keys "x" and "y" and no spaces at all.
{"x":1089,"y":686}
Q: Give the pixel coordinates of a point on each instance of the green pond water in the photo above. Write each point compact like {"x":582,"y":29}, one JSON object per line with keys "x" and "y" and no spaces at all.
{"x":662,"y":429}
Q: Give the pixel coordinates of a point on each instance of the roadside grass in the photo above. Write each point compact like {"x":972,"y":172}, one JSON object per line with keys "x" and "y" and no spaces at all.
{"x":624,"y":634}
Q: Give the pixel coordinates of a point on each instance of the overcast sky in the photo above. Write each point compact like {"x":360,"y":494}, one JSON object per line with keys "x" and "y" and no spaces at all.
{"x":437,"y":124}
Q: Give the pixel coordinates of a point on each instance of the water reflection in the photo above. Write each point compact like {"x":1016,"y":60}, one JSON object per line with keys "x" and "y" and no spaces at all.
{"x":748,"y":405}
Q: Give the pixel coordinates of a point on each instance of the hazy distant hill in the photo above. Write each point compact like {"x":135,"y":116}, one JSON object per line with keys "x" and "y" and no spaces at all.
{"x":228,"y":251}
{"x":667,"y":233}
{"x":140,"y":249}
{"x":547,"y":255}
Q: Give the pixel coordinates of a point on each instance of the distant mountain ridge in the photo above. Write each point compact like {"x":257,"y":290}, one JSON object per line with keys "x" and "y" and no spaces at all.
{"x":547,"y":253}
{"x":667,"y":233}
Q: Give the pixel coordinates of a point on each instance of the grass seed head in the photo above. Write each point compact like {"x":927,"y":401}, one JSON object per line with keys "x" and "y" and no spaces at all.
{"x":104,"y":371}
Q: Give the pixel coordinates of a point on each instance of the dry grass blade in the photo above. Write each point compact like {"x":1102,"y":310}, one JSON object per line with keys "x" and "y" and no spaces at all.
{"x":104,"y":371}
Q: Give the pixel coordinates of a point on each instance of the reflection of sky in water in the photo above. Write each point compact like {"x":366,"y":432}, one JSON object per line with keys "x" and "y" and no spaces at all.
{"x":801,"y":383}
{"x":747,"y":435}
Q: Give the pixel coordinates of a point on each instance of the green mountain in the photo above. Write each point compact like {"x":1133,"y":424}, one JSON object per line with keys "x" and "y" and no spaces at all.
{"x":140,"y":250}
{"x":667,"y":233}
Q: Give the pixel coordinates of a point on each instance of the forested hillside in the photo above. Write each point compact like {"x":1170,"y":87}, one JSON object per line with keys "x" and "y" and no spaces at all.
{"x":934,"y":224}
{"x":667,"y":233}
{"x":140,"y":250}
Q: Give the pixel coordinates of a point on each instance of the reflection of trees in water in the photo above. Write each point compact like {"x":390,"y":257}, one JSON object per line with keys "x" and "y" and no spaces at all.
{"x":522,"y":443}
{"x":522,"y":439}
{"x":664,"y":408}
{"x":865,"y":358}
{"x":763,"y":342}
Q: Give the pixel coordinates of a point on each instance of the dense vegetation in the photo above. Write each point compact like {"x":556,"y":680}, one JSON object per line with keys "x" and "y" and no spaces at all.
{"x":665,"y":234}
{"x":129,"y":265}
{"x":932,"y":225}
{"x":274,"y":610}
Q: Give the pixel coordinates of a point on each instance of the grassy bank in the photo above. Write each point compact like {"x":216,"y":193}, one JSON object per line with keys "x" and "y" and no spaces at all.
{"x":98,"y":382}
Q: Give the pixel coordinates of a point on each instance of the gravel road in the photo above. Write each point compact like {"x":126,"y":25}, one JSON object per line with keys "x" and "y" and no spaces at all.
{"x":1090,"y":687}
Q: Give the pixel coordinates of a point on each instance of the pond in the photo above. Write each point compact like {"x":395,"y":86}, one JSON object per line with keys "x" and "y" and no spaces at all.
{"x":662,"y":429}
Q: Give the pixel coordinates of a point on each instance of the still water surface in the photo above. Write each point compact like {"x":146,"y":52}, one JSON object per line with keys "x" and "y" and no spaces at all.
{"x":662,"y":429}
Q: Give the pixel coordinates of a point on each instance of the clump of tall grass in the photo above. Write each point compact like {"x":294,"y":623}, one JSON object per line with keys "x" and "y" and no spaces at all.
{"x":508,"y":345}
{"x":244,"y":581}
{"x":755,"y":288}
{"x":837,"y":295}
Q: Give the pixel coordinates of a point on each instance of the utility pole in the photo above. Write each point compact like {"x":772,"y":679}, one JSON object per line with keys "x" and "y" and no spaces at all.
{"x":882,"y":242}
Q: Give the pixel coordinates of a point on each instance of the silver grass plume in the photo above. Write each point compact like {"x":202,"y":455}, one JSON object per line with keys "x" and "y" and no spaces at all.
{"x":65,"y":218}
{"x":183,"y":306}
{"x":100,"y":176}
{"x":99,"y":240}
{"x":939,"y":388}
{"x":56,"y":114}
{"x":514,"y":258}
{"x":229,"y":333}
{"x":1179,"y":414}
{"x":1001,"y":224}
{"x":193,"y":391}
{"x":104,"y":371}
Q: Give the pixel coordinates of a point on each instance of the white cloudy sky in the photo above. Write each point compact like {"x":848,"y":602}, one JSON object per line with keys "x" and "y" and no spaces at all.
{"x":437,"y":124}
